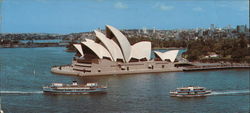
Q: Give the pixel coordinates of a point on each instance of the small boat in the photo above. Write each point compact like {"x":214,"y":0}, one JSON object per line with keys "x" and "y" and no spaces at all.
{"x":190,"y":91}
{"x":74,"y":88}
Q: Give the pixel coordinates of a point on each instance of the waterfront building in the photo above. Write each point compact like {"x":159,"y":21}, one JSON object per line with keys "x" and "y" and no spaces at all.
{"x":114,"y":46}
{"x":112,"y":53}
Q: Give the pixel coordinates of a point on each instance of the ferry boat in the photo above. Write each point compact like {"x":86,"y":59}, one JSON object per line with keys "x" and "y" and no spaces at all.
{"x":190,"y":91}
{"x":74,"y":88}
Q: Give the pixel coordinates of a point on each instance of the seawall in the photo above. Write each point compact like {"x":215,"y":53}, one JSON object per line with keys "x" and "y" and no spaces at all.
{"x":68,"y":70}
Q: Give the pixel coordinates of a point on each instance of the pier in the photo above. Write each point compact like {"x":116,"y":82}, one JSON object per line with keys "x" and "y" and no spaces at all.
{"x":216,"y":67}
{"x":68,"y":69}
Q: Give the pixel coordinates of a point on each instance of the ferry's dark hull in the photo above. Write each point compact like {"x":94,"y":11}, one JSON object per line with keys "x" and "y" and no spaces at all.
{"x":202,"y":95}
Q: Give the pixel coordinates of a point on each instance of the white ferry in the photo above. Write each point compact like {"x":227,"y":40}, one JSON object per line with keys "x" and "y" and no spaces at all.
{"x":74,"y":88}
{"x":190,"y":91}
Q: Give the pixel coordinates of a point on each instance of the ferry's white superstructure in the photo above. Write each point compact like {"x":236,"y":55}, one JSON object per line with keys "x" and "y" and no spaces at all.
{"x":190,"y":91}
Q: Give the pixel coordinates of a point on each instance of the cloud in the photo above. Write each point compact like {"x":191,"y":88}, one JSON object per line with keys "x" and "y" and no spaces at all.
{"x":99,"y":0}
{"x":241,"y":5}
{"x":43,"y":1}
{"x":198,"y":9}
{"x":244,"y":6}
{"x":120,"y":5}
{"x":163,"y":7}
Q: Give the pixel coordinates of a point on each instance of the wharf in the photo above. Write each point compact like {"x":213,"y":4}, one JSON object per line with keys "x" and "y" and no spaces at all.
{"x":68,"y":69}
{"x":216,"y":67}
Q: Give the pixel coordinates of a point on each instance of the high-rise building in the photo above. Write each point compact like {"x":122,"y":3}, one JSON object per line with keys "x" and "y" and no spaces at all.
{"x":212,"y":27}
{"x":229,"y":27}
{"x":154,"y":30}
{"x":144,"y":30}
{"x":241,"y":28}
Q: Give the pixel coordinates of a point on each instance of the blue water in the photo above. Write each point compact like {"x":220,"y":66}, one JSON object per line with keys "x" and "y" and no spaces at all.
{"x":25,"y":70}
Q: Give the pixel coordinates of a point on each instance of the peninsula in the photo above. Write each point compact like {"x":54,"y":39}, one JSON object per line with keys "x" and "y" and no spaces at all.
{"x":113,"y":54}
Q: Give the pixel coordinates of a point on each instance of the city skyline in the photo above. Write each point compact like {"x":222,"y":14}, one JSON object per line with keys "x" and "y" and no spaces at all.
{"x":68,"y":16}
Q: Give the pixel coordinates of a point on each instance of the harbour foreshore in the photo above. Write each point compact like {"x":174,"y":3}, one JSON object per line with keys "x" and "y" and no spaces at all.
{"x":68,"y":69}
{"x":216,"y":67}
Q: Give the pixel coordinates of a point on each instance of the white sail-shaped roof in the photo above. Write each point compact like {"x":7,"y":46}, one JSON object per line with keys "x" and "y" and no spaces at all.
{"x":98,"y":49}
{"x":79,"y":48}
{"x":89,"y":40}
{"x":122,"y":41}
{"x":171,"y":55}
{"x":141,"y":50}
{"x":111,"y":46}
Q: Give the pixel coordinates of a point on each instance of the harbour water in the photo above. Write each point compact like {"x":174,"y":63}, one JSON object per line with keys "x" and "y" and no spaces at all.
{"x":25,"y":70}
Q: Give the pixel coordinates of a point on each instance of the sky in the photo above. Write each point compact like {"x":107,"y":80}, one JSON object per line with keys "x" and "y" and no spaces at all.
{"x":73,"y":16}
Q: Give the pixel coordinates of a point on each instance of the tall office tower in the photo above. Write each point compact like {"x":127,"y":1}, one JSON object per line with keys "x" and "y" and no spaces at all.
{"x":241,"y":28}
{"x":212,"y":27}
{"x":145,"y":30}
{"x":154,"y":30}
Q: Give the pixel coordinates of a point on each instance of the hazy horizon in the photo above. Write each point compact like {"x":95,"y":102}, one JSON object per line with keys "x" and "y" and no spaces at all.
{"x":73,"y":16}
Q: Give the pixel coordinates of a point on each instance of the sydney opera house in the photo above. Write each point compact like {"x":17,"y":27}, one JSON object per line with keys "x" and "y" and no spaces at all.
{"x":112,"y":53}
